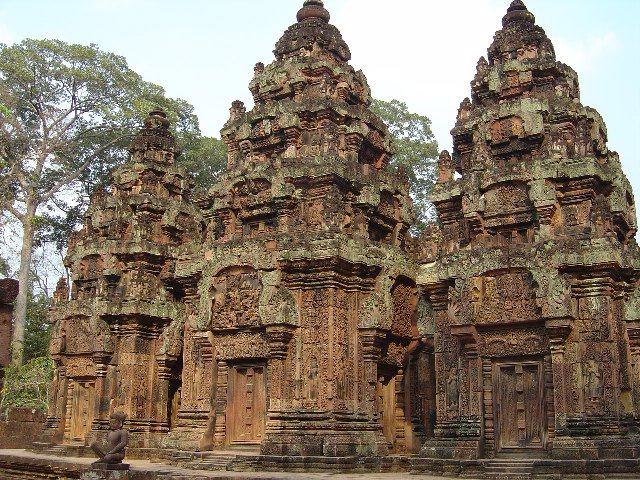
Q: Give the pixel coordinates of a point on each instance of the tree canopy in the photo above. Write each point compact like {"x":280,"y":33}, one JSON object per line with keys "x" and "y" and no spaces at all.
{"x":415,"y":149}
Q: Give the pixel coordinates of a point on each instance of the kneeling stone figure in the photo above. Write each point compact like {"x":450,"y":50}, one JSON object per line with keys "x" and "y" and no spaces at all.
{"x":117,"y":441}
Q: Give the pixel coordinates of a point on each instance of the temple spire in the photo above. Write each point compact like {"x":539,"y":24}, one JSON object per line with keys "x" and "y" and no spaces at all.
{"x":155,"y":136}
{"x":313,"y":10}
{"x":517,"y":12}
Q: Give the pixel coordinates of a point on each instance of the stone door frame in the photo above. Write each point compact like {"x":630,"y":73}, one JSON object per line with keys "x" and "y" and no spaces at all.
{"x":543,"y":395}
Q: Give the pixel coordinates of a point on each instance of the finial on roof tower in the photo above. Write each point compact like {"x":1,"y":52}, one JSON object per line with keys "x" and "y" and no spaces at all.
{"x":313,"y":10}
{"x":517,"y":12}
{"x":155,"y":134}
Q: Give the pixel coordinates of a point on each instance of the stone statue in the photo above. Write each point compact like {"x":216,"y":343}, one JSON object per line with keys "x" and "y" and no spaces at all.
{"x":117,"y":441}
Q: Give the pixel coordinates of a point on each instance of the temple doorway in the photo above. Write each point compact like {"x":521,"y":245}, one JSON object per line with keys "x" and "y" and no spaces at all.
{"x":386,"y":401}
{"x":81,"y":412}
{"x":519,"y":406}
{"x":246,"y":406}
{"x":421,"y":392}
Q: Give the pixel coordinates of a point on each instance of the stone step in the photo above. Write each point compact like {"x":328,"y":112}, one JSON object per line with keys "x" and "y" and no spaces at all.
{"x":211,"y":462}
{"x":508,"y":476}
{"x":509,"y":469}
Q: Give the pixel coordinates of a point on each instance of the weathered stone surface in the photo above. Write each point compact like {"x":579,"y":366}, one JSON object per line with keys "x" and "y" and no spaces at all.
{"x":106,"y":472}
{"x":117,"y":338}
{"x":279,"y":308}
{"x":533,"y":273}
{"x":21,"y":427}
{"x":305,"y":230}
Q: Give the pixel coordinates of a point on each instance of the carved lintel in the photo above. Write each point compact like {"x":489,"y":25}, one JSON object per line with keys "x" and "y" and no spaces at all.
{"x":279,"y":337}
{"x":467,"y":334}
{"x":372,"y":342}
{"x":633,"y":332}
{"x":101,"y":360}
{"x":558,"y":330}
{"x":438,"y":294}
{"x":165,"y":364}
{"x":545,"y":213}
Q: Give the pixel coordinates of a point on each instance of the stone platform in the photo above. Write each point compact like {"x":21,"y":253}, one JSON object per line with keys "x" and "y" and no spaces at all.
{"x":23,"y":464}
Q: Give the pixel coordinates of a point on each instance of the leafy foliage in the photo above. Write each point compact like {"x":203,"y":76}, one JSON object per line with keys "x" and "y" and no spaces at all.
{"x":415,"y":149}
{"x":69,"y":113}
{"x":26,"y":385}
{"x":205,"y":160}
{"x":67,"y":117}
{"x":37,"y":332}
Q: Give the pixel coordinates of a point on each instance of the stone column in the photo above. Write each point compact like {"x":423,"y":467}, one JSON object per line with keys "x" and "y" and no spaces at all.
{"x":471,"y":392}
{"x":161,"y":397}
{"x":558,"y":330}
{"x":102,"y":390}
{"x":438,"y":295}
{"x":222,"y":386}
{"x":372,"y":341}
{"x":633,"y":333}
{"x":279,"y":337}
{"x":54,"y":424}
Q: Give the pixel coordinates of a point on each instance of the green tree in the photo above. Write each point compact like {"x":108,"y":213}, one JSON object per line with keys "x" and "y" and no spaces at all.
{"x":67,"y":115}
{"x":26,"y":385}
{"x":37,"y":332}
{"x":206,"y":159}
{"x":415,"y":149}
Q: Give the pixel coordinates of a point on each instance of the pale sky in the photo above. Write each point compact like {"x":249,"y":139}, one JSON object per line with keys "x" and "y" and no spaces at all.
{"x":422,"y":52}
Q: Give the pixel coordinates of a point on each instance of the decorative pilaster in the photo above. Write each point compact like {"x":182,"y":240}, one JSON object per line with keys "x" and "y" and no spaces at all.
{"x":279,"y":338}
{"x":558,"y":330}
{"x":222,"y":391}
{"x":372,"y":341}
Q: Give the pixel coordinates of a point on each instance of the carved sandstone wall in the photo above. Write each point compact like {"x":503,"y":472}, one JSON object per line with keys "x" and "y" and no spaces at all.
{"x":290,"y":312}
{"x":117,"y":342}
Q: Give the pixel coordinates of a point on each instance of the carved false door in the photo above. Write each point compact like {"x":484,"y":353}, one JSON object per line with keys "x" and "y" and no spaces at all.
{"x":519,"y":402}
{"x":246,"y":409}
{"x":386,"y":402}
{"x":81,"y":418}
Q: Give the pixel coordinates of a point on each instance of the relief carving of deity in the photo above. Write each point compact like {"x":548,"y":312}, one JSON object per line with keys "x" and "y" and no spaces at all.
{"x":453,"y":392}
{"x":592,"y":381}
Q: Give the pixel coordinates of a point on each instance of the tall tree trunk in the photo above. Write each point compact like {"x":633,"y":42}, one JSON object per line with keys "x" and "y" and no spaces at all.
{"x":20,"y":312}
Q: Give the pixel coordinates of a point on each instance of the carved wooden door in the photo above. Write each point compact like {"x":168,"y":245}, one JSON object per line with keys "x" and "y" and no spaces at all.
{"x":519,"y":402}
{"x":81,"y":410}
{"x":246,"y":409}
{"x":422,"y":392}
{"x":386,"y":403}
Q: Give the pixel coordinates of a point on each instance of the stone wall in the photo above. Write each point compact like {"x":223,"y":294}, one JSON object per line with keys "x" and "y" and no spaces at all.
{"x":21,"y":428}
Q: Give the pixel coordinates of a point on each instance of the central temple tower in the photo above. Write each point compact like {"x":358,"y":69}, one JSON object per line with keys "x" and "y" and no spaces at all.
{"x":300,"y":306}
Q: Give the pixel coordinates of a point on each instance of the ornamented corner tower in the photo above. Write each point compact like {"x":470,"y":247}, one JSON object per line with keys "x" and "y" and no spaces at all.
{"x":534,"y":285}
{"x":117,"y":341}
{"x":303,"y":304}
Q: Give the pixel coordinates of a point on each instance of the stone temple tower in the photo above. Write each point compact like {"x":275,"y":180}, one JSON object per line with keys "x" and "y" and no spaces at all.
{"x":116,"y":339}
{"x":300,"y":304}
{"x":533,"y":275}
